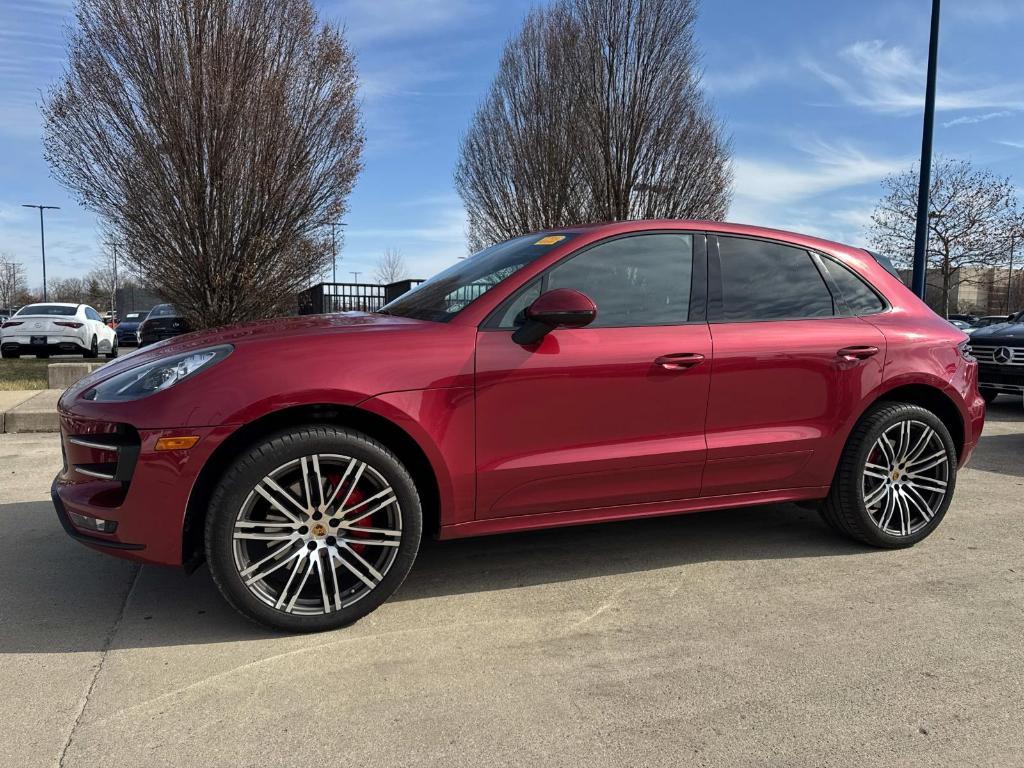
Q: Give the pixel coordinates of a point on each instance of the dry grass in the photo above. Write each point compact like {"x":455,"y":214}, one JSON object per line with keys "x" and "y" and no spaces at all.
{"x":23,"y":374}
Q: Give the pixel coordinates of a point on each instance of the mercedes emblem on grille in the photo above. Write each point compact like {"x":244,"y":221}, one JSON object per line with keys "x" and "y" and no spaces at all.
{"x":1002,"y":355}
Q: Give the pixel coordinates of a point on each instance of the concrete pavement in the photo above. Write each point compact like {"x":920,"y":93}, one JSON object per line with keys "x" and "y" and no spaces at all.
{"x":745,"y":637}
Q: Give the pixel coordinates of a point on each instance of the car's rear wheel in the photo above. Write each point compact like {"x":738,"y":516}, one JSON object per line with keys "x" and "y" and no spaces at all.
{"x":989,"y":395}
{"x":313,"y":528}
{"x":113,"y":349}
{"x":93,"y":350}
{"x":895,"y":478}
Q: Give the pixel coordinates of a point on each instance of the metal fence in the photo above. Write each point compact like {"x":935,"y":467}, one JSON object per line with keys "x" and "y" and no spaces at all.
{"x":350,"y":297}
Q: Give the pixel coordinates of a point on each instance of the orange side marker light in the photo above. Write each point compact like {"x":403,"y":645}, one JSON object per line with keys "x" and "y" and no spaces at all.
{"x":176,"y":443}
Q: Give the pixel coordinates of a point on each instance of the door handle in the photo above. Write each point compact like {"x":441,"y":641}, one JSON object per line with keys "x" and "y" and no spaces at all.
{"x":680,"y":361}
{"x":857,"y":352}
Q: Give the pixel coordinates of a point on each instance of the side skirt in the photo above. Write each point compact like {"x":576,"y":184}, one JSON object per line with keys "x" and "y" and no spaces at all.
{"x":628,"y":511}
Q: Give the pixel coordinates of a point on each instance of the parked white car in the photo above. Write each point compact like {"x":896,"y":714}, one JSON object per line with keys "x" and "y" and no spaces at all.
{"x":57,"y":329}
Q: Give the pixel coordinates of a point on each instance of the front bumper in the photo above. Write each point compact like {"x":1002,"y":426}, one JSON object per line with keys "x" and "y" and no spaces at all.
{"x":112,"y":472}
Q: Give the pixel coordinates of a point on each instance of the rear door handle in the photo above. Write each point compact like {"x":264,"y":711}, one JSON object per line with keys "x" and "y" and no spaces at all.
{"x":680,"y":361}
{"x":857,"y":352}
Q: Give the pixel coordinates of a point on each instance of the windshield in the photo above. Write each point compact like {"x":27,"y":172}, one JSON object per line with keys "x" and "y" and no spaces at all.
{"x":162,"y":310}
{"x":48,"y":309}
{"x":447,"y":293}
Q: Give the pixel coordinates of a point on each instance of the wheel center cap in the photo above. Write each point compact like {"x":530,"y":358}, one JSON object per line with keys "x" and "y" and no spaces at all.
{"x":895,"y":475}
{"x":319,"y":529}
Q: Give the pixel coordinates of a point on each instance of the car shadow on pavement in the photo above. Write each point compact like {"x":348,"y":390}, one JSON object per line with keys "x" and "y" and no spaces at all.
{"x":62,"y":597}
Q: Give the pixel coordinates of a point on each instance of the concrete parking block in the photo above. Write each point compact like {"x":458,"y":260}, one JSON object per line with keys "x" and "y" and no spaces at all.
{"x":10,"y":399}
{"x":37,"y":414}
{"x":63,"y":375}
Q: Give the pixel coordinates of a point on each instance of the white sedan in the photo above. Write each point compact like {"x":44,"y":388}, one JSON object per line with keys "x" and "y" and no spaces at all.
{"x":57,"y":329}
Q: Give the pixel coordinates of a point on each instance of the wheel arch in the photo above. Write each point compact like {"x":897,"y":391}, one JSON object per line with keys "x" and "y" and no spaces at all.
{"x":932,"y":398}
{"x":378,"y":427}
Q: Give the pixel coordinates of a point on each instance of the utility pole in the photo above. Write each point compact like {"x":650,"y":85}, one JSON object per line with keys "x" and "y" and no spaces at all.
{"x":355,"y":276}
{"x":334,"y":247}
{"x":42,"y":235}
{"x":924,"y":183}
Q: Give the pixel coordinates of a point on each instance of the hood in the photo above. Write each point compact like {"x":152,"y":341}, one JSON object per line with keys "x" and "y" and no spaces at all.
{"x":268,"y":332}
{"x":1000,"y":333}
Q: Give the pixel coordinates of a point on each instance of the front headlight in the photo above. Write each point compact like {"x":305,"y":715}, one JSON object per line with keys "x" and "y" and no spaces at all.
{"x":156,"y":375}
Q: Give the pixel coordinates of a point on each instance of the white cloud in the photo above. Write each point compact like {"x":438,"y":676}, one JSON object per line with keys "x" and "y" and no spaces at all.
{"x":379,"y":20}
{"x":427,"y":248}
{"x":1014,"y":144}
{"x":971,"y":119}
{"x":818,"y":192}
{"x":886,"y":78}
{"x":745,"y":78}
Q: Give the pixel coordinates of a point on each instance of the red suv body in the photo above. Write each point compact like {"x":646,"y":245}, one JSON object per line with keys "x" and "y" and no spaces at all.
{"x":671,"y":366}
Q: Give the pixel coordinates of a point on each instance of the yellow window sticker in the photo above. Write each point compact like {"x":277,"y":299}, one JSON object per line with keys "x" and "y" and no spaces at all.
{"x":550,"y":240}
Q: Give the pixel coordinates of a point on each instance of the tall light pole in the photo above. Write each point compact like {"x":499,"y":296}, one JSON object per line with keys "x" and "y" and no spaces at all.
{"x":924,"y":183}
{"x":355,"y":276}
{"x":334,"y":247}
{"x":42,"y":235}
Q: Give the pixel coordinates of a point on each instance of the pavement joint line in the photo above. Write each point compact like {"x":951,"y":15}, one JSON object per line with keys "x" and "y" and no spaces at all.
{"x":108,"y":641}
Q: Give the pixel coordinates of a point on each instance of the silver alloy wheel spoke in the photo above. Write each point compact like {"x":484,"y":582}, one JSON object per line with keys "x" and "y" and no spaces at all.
{"x":305,"y":516}
{"x":905,"y":477}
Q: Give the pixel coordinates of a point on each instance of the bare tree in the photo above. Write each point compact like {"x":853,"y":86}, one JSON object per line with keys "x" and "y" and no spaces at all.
{"x":596,"y":113}
{"x":518,"y":169}
{"x":212,"y":137}
{"x":390,"y":267}
{"x":12,"y":281}
{"x":973,"y":215}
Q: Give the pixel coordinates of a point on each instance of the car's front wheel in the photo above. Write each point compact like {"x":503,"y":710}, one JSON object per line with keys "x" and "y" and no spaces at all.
{"x":895,"y":478}
{"x":313,"y":528}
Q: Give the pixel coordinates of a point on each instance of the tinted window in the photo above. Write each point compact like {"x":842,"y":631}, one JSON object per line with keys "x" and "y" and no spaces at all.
{"x":55,"y":310}
{"x":637,"y":280}
{"x":768,"y":281}
{"x":858,"y":295}
{"x":92,"y":314}
{"x":447,"y":293}
{"x":163,"y":310}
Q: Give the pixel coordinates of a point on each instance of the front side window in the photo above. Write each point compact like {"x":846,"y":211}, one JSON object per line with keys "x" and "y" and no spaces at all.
{"x":634,"y":281}
{"x":449,"y":292}
{"x":769,"y":281}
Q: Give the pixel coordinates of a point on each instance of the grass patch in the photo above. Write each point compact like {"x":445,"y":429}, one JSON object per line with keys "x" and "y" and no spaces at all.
{"x":23,"y":374}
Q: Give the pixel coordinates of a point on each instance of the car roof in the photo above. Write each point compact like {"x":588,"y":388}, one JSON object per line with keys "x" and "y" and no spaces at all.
{"x":719,"y":227}
{"x":52,"y":304}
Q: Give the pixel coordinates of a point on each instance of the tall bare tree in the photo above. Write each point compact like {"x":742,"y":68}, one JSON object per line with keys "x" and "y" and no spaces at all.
{"x":212,"y":137}
{"x":12,"y":281}
{"x":390,"y":267}
{"x":973,"y":215}
{"x":596,"y":113}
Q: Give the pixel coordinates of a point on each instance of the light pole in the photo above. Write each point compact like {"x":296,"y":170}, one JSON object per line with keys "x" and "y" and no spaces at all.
{"x":42,"y":235}
{"x":334,"y":247}
{"x":924,"y":182}
{"x":355,"y":276}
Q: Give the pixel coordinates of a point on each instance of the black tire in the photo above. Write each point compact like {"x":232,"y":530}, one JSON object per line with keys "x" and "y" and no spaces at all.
{"x":94,"y":349}
{"x":113,"y":350}
{"x":235,"y":490}
{"x":989,"y":395}
{"x":10,"y":355}
{"x":844,"y":508}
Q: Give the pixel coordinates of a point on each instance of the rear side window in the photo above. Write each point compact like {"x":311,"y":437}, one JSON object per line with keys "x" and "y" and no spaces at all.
{"x":858,"y":295}
{"x":769,"y":281}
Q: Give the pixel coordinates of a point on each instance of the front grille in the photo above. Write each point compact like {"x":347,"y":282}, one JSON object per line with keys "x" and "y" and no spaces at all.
{"x":998,"y":354}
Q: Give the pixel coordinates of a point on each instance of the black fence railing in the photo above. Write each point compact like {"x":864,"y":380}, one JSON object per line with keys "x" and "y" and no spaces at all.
{"x":350,"y":297}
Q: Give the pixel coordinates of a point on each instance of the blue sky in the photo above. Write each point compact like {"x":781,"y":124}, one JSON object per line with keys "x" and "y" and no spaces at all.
{"x":821,"y":99}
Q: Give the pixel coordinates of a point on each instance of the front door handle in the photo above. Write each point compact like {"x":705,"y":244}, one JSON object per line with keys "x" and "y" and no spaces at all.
{"x":857,"y":352}
{"x":680,"y":361}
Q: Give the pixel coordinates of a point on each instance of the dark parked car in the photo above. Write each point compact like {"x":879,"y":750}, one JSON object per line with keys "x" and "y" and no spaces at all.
{"x":999,"y":350}
{"x":970,"y":319}
{"x":162,"y":322}
{"x":589,"y":374}
{"x":987,"y":320}
{"x":127,"y":329}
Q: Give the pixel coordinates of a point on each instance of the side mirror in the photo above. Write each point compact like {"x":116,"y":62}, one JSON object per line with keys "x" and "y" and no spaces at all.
{"x":560,"y":308}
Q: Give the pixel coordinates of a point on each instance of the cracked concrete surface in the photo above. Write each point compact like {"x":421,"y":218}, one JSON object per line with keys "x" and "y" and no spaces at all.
{"x":744,"y":637}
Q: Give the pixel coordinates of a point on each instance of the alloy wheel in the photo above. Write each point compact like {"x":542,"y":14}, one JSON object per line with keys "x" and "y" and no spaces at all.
{"x":317,"y":534}
{"x":906,"y":477}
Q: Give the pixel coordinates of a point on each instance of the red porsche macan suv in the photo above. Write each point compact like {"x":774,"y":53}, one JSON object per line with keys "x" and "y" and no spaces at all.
{"x":586,"y":374}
